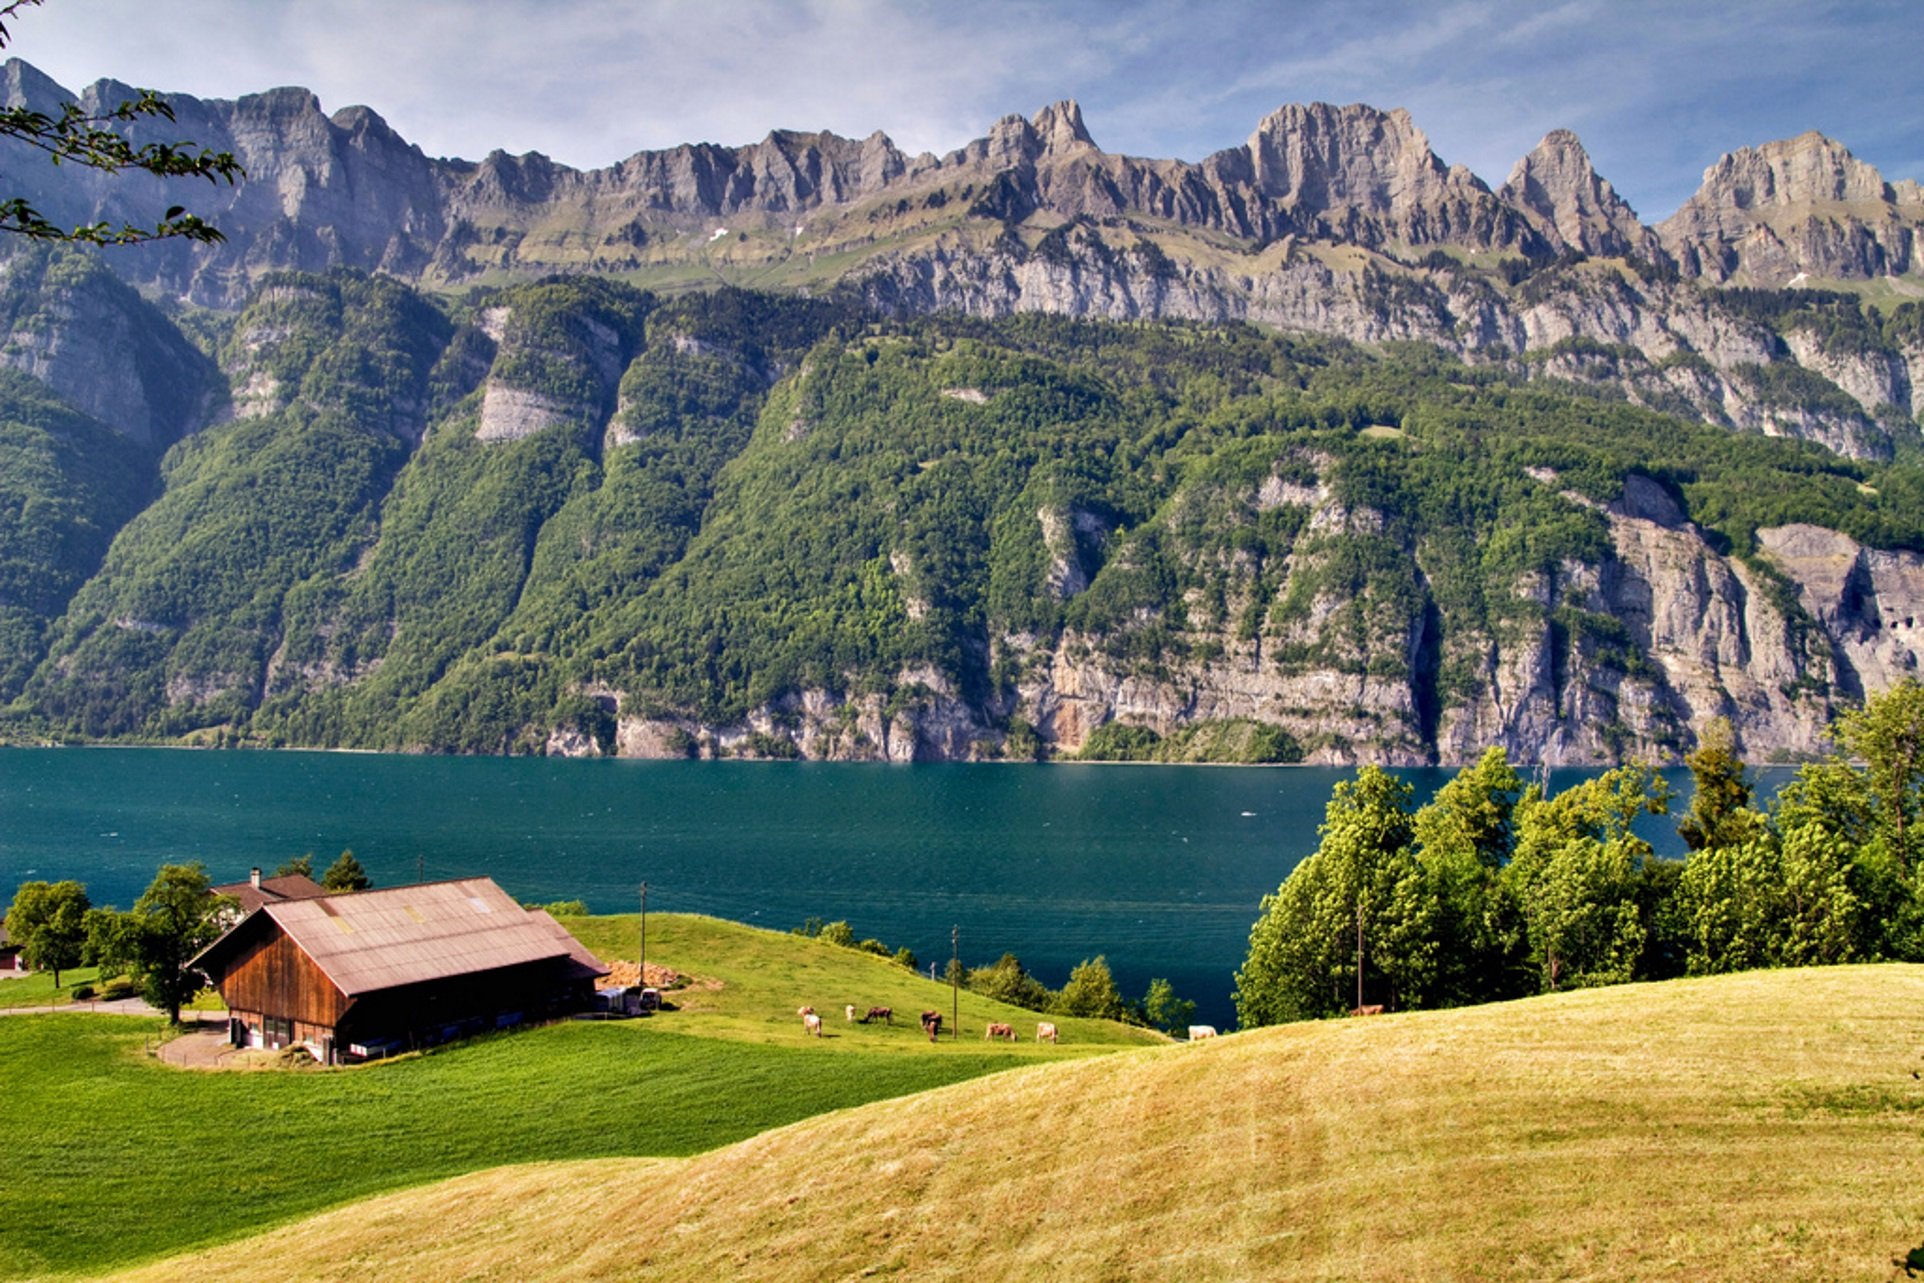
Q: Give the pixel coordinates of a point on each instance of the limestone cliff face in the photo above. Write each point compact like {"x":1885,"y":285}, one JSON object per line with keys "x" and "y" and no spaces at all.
{"x":103,"y":349}
{"x":1804,"y":206}
{"x":1689,"y":353}
{"x":1629,"y":656}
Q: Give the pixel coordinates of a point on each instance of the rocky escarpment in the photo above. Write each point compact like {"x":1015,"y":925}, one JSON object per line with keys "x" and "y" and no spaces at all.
{"x":1337,"y":219}
{"x":1629,"y":655}
{"x":342,"y":189}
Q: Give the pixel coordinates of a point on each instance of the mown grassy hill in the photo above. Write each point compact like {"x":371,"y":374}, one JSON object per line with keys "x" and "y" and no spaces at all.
{"x":1764,"y":1125}
{"x":113,"y":1158}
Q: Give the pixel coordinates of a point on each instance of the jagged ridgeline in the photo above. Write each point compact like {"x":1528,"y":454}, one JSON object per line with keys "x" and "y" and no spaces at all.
{"x":574,"y":516}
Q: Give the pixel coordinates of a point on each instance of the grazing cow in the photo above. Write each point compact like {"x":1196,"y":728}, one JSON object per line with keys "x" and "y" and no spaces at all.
{"x":811,"y":1023}
{"x":1374,"y":1009}
{"x":849,"y":1011}
{"x":1199,"y":1032}
{"x":1000,"y":1031}
{"x":1045,"y":1031}
{"x":932,"y":1024}
{"x":804,"y":1011}
{"x":884,"y":1014}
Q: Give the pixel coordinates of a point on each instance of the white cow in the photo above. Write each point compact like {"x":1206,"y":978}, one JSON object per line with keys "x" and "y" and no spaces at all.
{"x":1199,"y":1032}
{"x":812,"y":1024}
{"x":1045,"y":1030}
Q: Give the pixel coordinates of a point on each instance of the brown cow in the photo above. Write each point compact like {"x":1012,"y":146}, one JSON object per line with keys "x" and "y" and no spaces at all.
{"x":1045,"y":1031}
{"x":884,"y":1014}
{"x":1374,"y":1009}
{"x":804,"y":1011}
{"x":1000,"y":1031}
{"x":932,"y":1024}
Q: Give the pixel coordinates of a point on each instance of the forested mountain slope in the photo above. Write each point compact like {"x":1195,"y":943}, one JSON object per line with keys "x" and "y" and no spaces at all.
{"x":573,"y":516}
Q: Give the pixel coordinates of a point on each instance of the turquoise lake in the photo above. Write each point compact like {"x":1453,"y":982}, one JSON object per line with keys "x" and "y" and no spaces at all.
{"x":1160,"y":868}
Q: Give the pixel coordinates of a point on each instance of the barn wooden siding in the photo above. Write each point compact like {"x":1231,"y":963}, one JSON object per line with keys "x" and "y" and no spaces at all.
{"x":273,"y":977}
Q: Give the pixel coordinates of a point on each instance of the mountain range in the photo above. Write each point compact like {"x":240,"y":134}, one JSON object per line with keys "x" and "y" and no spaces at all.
{"x":1151,"y":454}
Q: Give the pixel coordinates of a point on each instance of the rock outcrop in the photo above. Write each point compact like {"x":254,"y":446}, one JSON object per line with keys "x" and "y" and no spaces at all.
{"x":1801,"y":208}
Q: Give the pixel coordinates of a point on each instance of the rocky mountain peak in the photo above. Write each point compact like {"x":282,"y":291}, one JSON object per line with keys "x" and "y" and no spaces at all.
{"x":1325,"y":155}
{"x":1569,"y":202}
{"x":25,"y":85}
{"x":1059,"y":126}
{"x":1804,"y":170}
{"x":1768,"y":214}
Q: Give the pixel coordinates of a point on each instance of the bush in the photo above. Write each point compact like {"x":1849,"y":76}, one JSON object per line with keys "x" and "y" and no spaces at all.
{"x":118,"y":988}
{"x":82,"y":992}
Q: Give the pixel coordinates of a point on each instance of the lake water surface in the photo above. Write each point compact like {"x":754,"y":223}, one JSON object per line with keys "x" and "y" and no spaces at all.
{"x":1161,"y":868}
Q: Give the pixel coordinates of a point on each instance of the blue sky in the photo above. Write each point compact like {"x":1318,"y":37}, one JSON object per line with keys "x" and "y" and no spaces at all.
{"x":1656,"y":90}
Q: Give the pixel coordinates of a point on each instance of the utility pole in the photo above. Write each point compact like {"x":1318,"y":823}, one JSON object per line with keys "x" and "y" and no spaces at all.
{"x":1359,"y":953}
{"x":955,"y":981}
{"x":641,"y":967}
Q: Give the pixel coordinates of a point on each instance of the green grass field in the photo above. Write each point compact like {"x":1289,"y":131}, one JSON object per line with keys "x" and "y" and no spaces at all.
{"x":113,"y":1158}
{"x":36,"y":988}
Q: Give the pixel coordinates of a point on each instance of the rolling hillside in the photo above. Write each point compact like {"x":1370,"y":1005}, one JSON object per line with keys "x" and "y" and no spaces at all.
{"x":241,"y":1150}
{"x":1763,"y":1125}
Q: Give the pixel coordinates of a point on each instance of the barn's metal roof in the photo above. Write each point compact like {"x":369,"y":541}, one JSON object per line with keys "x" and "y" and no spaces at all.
{"x":373,"y":940}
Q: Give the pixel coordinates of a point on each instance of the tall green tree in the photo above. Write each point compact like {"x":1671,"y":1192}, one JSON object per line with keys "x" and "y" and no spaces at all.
{"x":1577,"y":875}
{"x":47,"y":920}
{"x":1091,"y":992}
{"x":1887,"y":735}
{"x":1163,"y":1010}
{"x":175,"y":918}
{"x":346,"y":874}
{"x":1463,"y":839}
{"x":1720,"y":813}
{"x":1356,"y":919}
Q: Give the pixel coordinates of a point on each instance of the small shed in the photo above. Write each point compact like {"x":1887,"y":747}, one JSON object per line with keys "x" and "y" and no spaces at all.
{"x":404,"y":966}
{"x":11,"y":963}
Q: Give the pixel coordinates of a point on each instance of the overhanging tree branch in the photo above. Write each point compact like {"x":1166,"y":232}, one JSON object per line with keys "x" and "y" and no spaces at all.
{"x":85,"y":138}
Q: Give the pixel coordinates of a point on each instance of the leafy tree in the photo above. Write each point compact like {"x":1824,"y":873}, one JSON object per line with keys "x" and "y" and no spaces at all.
{"x":89,"y":139}
{"x":837,"y":933}
{"x":1576,"y":876}
{"x":174,"y":919}
{"x":1733,"y":899}
{"x":1358,"y":914}
{"x":905,"y":957}
{"x":47,"y":921}
{"x":1463,"y":839}
{"x":1005,"y":980}
{"x":1720,"y":812}
{"x":300,"y":866}
{"x":1887,"y":735}
{"x":1091,"y":991}
{"x":345,"y":874}
{"x":1163,"y":1010}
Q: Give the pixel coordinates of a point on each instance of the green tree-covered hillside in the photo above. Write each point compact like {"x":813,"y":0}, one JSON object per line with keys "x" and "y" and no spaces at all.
{"x":570,"y":516}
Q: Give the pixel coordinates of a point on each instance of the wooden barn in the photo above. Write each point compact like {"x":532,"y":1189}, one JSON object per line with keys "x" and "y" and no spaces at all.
{"x":353,"y":976}
{"x":10,"y":959}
